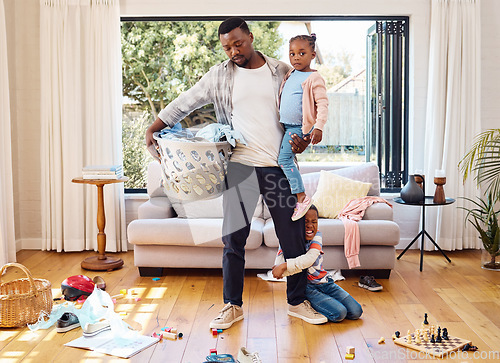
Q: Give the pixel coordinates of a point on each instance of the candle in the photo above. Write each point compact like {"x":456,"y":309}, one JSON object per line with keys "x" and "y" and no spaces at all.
{"x":439,"y":173}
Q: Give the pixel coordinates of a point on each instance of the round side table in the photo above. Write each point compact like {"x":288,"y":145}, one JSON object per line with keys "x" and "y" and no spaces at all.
{"x":101,"y":262}
{"x":428,"y":201}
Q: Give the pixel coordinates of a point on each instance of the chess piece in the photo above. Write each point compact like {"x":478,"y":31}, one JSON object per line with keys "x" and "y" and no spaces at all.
{"x":439,"y":197}
{"x":473,"y":348}
{"x":432,"y":339}
{"x":466,"y":347}
{"x":445,"y":334}
{"x":425,"y":319}
{"x":397,"y":333}
{"x":418,"y":340}
{"x":438,"y":338}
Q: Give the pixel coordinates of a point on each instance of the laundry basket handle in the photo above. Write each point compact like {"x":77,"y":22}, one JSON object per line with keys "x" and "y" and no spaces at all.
{"x":24,"y":269}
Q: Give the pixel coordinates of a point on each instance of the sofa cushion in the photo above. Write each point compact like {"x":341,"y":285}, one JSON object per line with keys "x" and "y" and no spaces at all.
{"x":208,"y":208}
{"x":335,"y":191}
{"x":156,"y":208}
{"x":187,"y":232}
{"x":365,"y":172}
{"x":378,"y":233}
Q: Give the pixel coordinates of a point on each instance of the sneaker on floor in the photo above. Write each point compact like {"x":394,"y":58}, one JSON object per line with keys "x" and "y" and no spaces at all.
{"x":227,"y":316}
{"x":67,"y":322}
{"x":369,"y":283}
{"x":301,"y":209}
{"x":244,"y":356}
{"x":96,"y":328}
{"x":307,"y":313}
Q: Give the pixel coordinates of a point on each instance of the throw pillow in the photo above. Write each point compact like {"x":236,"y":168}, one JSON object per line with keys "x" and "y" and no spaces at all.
{"x":335,"y":191}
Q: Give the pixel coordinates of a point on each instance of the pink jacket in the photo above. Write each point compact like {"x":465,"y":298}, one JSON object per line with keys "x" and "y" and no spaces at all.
{"x":314,"y":101}
{"x":353,"y":212}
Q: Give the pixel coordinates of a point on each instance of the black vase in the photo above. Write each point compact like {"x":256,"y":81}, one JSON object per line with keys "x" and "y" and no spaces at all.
{"x":411,"y":192}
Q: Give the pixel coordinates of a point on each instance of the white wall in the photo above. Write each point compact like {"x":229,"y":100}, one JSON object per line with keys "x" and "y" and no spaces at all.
{"x":24,"y":74}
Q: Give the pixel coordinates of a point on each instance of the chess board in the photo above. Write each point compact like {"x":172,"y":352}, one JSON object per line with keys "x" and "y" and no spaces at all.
{"x":436,"y":349}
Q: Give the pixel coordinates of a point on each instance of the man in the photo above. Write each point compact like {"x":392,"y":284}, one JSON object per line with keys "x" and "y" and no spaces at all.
{"x":244,"y":91}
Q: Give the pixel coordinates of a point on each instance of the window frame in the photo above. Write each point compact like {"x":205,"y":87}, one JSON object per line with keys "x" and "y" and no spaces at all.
{"x":309,"y":18}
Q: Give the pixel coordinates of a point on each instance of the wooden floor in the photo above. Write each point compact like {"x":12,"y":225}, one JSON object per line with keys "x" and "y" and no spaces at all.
{"x":457,"y":295}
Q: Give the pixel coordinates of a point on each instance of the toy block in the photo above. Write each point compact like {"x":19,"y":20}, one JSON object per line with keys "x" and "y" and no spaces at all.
{"x":213,"y":351}
{"x":219,"y":330}
{"x":214,"y":332}
{"x":123,"y":291}
{"x":349,"y":350}
{"x":156,"y":279}
{"x":349,"y":356}
{"x":170,"y":336}
{"x":172,"y":330}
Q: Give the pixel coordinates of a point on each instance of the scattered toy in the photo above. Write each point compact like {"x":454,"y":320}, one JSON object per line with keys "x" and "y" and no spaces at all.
{"x":381,"y":340}
{"x":170,"y":336}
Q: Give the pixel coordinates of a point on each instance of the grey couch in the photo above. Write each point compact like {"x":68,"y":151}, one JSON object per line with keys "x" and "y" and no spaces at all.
{"x":189,"y":235}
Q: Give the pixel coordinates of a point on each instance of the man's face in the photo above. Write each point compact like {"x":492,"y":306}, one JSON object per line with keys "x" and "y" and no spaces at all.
{"x":311,"y":219}
{"x":238,"y":46}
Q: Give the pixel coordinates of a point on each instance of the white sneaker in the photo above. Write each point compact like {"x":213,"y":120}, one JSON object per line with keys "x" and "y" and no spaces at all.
{"x":244,"y":356}
{"x":227,"y":316}
{"x":307,"y":313}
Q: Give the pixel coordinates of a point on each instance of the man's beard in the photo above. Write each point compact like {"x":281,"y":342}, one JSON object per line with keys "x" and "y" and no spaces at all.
{"x":244,"y":64}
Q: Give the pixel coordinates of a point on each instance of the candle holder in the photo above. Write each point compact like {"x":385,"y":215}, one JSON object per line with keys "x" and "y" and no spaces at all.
{"x":439,"y":197}
{"x":419,"y":179}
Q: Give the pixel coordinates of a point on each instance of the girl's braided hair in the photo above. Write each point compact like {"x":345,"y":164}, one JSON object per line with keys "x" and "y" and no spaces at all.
{"x":309,"y":38}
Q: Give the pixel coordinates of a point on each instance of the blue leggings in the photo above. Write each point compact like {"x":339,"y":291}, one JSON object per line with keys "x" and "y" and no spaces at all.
{"x":286,"y":159}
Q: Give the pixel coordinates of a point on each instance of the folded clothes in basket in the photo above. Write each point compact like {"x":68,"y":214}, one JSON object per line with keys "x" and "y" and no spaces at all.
{"x":219,"y":132}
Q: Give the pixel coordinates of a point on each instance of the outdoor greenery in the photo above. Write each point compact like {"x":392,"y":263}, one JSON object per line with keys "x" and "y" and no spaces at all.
{"x":159,"y":61}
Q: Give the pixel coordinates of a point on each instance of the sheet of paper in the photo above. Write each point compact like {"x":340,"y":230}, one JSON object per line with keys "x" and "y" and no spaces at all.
{"x":108,"y":344}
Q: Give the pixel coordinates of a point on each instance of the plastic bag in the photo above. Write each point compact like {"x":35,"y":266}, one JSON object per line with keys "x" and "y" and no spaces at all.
{"x":97,"y":306}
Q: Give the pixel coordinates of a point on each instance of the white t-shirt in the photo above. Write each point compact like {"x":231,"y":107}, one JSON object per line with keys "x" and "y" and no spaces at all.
{"x":255,"y":115}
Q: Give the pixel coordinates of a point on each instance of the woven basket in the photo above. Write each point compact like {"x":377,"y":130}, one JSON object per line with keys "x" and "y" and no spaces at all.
{"x":22,"y":300}
{"x":193,"y":170}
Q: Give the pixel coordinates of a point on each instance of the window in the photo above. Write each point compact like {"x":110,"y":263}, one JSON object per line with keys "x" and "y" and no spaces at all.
{"x":362,"y":59}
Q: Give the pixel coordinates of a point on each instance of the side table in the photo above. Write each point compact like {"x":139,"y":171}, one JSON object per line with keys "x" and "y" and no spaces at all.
{"x":101,"y":262}
{"x":427,"y":202}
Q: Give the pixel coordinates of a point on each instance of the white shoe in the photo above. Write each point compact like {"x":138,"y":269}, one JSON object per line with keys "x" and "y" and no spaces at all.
{"x":244,"y":356}
{"x":307,"y":313}
{"x":93,"y":329}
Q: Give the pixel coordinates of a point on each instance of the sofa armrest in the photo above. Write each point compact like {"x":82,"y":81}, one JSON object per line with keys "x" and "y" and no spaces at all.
{"x":378,"y":211}
{"x":156,"y":208}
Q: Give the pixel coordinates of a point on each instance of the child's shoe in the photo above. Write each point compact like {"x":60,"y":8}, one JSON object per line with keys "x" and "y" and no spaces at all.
{"x":369,"y":283}
{"x":301,"y":208}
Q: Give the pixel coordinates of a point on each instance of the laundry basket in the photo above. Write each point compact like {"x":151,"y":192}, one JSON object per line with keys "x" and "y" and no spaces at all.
{"x":193,"y":169}
{"x":22,"y":300}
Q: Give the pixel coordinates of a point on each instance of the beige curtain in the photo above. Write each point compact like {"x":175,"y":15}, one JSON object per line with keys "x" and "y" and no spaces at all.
{"x":80,"y":55}
{"x":453,"y":115}
{"x":7,"y":232}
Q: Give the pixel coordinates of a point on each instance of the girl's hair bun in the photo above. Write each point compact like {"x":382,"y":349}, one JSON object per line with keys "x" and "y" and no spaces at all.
{"x":313,"y":36}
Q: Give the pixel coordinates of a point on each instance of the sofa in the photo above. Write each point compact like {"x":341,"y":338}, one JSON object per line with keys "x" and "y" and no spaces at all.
{"x":188,"y":235}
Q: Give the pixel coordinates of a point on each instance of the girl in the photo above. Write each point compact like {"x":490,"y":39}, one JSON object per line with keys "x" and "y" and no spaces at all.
{"x":303,"y":111}
{"x":325,"y":296}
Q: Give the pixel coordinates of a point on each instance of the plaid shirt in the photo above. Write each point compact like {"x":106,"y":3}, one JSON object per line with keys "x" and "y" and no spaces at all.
{"x":216,"y":87}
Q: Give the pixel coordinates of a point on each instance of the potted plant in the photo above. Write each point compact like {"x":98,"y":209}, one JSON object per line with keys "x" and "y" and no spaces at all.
{"x":483,"y":160}
{"x":484,"y":218}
